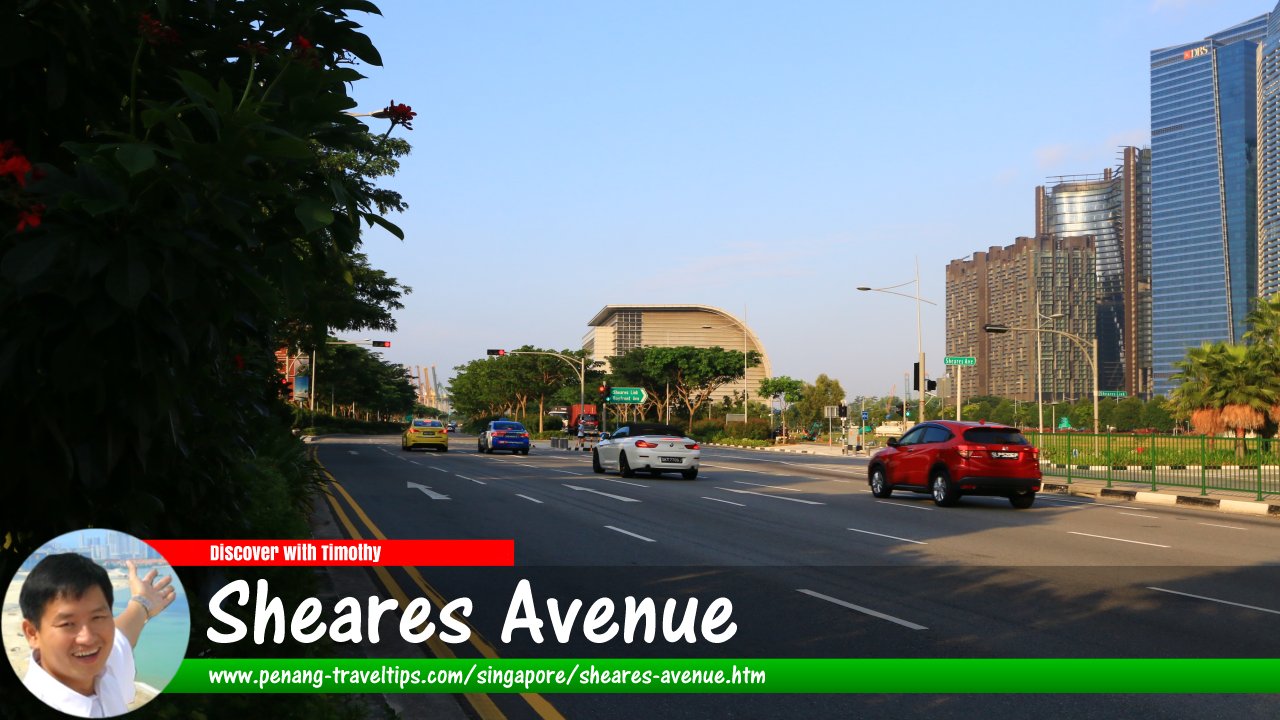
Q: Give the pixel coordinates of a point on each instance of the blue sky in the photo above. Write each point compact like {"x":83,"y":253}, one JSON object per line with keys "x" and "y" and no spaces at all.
{"x":763,"y":157}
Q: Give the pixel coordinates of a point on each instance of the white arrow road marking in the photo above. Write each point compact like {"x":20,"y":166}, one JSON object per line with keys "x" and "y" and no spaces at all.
{"x":775,"y":497}
{"x":1224,"y":602}
{"x":866,"y":611}
{"x":891,"y":537}
{"x":526,"y":497}
{"x":597,"y":492}
{"x":426,"y":490}
{"x":1104,"y":537}
{"x":624,"y":532}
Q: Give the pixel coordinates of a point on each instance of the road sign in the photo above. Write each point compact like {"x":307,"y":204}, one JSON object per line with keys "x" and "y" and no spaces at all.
{"x":626,"y":396}
{"x":830,"y":411}
{"x":960,"y":360}
{"x":865,"y":416}
{"x":1113,"y":393}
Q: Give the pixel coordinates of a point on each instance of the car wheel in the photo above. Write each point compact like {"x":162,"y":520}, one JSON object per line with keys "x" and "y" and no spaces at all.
{"x":1022,"y":501}
{"x":880,"y":484}
{"x":624,"y":468}
{"x":524,"y":452}
{"x":691,"y":474}
{"x":595,"y":462}
{"x":444,"y":449}
{"x":944,"y":493}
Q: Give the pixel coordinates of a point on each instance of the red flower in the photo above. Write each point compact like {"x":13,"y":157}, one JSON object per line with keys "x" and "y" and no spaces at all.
{"x":30,"y":217}
{"x":16,"y":165}
{"x":302,"y":45}
{"x":401,"y":114}
{"x":156,"y":32}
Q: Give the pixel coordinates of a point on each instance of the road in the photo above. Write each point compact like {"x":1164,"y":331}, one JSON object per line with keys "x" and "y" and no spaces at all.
{"x":815,"y":566}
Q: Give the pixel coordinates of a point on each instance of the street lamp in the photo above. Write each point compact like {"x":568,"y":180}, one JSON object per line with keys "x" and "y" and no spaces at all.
{"x":745,"y":386}
{"x":315,"y":361}
{"x":580,"y":369}
{"x":919,"y":331}
{"x":1040,"y":363}
{"x":1090,"y":354}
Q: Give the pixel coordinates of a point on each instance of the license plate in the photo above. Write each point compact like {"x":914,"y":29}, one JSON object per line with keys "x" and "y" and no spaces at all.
{"x":671,"y":459}
{"x":1007,"y":455}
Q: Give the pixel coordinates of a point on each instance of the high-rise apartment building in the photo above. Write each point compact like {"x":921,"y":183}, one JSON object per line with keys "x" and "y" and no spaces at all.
{"x":1204,"y":211}
{"x":1269,"y":159}
{"x":1115,"y":208}
{"x":1055,"y":277}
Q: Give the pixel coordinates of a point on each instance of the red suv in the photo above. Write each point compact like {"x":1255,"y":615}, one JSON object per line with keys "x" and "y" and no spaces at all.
{"x":949,"y":459}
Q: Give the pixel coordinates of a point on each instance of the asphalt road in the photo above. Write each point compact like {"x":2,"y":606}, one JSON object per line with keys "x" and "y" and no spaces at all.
{"x":815,"y":566}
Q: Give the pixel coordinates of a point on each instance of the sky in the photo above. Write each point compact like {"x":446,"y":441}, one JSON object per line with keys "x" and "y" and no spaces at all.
{"x":766,"y":158}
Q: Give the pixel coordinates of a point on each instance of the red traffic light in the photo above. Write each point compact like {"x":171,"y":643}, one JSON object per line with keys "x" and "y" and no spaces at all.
{"x":497,"y":352}
{"x":382,"y":343}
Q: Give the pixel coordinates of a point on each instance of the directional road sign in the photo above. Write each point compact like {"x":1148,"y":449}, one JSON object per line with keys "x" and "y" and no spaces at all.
{"x":959,"y":360}
{"x":1113,"y":393}
{"x":626,"y":396}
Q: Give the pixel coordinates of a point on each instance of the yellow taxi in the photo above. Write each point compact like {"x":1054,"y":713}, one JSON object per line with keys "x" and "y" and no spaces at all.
{"x":425,"y":433}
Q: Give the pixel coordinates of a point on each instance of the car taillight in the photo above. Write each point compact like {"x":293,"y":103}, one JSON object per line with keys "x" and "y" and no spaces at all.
{"x":524,"y":434}
{"x":693,"y":446}
{"x":499,"y":433}
{"x":968,"y":451}
{"x":1035,"y":453}
{"x":646,"y":444}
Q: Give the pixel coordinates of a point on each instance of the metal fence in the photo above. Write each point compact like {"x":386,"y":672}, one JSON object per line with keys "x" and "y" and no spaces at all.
{"x":1246,"y":465}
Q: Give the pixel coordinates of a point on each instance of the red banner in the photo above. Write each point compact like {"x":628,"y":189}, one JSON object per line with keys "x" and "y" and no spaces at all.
{"x":421,"y":553}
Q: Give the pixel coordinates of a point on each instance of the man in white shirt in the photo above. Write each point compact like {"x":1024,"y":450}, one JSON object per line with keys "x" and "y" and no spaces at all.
{"x":82,"y":658}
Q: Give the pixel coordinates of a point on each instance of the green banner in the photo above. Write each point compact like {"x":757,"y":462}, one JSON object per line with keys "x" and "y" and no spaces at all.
{"x":741,"y":675}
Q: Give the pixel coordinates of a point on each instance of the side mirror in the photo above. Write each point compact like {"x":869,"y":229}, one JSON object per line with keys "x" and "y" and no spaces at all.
{"x":604,"y":436}
{"x":893,"y":442}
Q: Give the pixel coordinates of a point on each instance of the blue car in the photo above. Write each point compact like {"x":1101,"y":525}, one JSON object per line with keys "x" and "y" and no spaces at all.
{"x":504,"y":435}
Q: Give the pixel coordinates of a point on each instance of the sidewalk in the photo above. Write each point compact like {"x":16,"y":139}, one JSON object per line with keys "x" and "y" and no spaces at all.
{"x":1241,"y":503}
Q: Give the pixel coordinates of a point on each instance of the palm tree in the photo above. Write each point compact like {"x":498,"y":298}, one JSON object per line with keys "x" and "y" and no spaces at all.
{"x":1241,"y":393}
{"x":1264,"y":336}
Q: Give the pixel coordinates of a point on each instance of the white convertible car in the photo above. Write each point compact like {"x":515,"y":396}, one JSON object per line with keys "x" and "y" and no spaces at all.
{"x":646,"y":447}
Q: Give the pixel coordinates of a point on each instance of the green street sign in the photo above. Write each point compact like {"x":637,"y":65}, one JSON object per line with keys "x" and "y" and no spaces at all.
{"x":965,"y":360}
{"x":1113,"y":393}
{"x":626,"y":396}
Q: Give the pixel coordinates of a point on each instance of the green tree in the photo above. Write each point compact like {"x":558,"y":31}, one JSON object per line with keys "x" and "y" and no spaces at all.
{"x":695,"y":374}
{"x":788,"y":389}
{"x":824,"y":392}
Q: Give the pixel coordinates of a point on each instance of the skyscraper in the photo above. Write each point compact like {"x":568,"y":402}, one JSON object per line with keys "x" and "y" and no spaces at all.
{"x":1269,"y":159}
{"x":1204,"y":120}
{"x":1115,"y":208}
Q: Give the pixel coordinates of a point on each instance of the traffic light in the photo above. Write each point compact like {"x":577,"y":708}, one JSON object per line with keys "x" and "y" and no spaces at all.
{"x":915,"y":376}
{"x":908,"y":414}
{"x":844,"y":410}
{"x":382,"y":343}
{"x":496,"y":352}
{"x":931,"y":385}
{"x":604,"y":390}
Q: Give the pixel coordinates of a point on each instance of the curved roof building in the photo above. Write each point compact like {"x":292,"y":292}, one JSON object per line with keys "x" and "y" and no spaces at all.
{"x":619,"y":328}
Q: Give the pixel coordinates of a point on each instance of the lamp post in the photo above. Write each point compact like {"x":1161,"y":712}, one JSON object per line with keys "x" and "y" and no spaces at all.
{"x":1040,"y":364}
{"x":315,"y":360}
{"x":1090,"y":353}
{"x":580,"y":369}
{"x":919,"y":331}
{"x":745,"y":387}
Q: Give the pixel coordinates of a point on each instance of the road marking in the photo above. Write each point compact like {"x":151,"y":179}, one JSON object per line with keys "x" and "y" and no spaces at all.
{"x":597,"y":492}
{"x":726,"y":467}
{"x":774,"y":487}
{"x":426,"y":490}
{"x":905,"y":505}
{"x":1229,"y":527}
{"x":1153,"y":517}
{"x":440,"y":469}
{"x":352,"y":452}
{"x":891,"y":537}
{"x":1068,"y":502}
{"x":478,"y":482}
{"x":1104,"y":537}
{"x":865,"y":611}
{"x":624,"y":482}
{"x":1224,"y":602}
{"x":775,"y":497}
{"x":566,"y":472}
{"x":727,"y":502}
{"x":526,"y":497}
{"x":624,"y":532}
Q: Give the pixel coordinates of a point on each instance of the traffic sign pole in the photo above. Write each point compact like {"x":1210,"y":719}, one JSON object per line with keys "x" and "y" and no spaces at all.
{"x":959,"y":361}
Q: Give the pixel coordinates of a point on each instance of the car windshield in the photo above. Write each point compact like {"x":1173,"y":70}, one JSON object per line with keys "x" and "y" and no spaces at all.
{"x":995,"y":436}
{"x":508,"y":426}
{"x":655,"y":430}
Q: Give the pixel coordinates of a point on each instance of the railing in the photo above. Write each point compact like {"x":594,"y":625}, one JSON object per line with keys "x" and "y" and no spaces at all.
{"x":1247,"y":465}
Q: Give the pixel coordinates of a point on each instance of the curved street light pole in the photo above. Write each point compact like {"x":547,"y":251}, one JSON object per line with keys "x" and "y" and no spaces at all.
{"x":919,"y":327}
{"x":1090,"y":351}
{"x":581,"y":369}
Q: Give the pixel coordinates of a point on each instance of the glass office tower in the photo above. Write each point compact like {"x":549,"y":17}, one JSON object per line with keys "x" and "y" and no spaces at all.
{"x":1269,"y":159}
{"x":1204,"y":267}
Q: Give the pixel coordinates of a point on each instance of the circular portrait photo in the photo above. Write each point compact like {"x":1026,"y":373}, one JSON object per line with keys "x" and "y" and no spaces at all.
{"x":95,"y":623}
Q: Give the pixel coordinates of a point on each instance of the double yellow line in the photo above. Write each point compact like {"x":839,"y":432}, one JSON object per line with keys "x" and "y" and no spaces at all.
{"x":482,"y":704}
